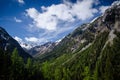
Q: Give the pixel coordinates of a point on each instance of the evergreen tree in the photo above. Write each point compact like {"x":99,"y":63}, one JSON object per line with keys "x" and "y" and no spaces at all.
{"x":29,"y":68}
{"x":108,"y":67}
{"x":86,"y":73}
{"x":96,"y":72}
{"x":58,"y":74}
{"x":17,"y":68}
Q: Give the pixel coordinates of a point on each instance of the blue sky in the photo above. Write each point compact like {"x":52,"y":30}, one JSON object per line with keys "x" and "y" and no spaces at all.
{"x":41,"y":21}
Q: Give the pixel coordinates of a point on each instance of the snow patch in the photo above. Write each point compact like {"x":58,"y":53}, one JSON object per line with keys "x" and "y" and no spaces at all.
{"x":26,"y":46}
{"x":94,"y":20}
{"x":22,"y":43}
{"x":58,"y":41}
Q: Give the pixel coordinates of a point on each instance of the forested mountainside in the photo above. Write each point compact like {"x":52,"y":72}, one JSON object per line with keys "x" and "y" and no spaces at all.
{"x":13,"y":67}
{"x":91,"y":52}
{"x":87,"y":34}
{"x":7,"y":43}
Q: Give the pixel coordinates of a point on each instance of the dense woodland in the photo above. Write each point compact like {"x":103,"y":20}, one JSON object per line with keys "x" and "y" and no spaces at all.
{"x":94,"y":63}
{"x":13,"y":67}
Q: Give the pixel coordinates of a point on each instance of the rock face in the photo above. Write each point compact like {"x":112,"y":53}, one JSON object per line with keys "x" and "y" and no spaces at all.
{"x":111,"y":16}
{"x":7,"y":43}
{"x":39,"y":50}
{"x":87,"y":33}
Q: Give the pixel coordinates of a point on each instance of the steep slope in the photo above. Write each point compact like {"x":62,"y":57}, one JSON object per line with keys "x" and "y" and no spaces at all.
{"x":91,"y":52}
{"x":39,"y":50}
{"x":7,"y":43}
{"x":76,"y":40}
{"x":86,"y":33}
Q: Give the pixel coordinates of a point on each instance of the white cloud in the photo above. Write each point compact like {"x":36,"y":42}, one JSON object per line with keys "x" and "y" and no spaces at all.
{"x":83,"y":10}
{"x":103,"y":8}
{"x":55,"y":21}
{"x":21,"y":1}
{"x":43,"y":21}
{"x":51,"y":16}
{"x":31,"y":39}
{"x":17,"y":20}
{"x":35,"y":40}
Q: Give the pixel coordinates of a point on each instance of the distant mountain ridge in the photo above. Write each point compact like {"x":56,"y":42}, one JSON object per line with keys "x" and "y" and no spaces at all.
{"x":39,"y":50}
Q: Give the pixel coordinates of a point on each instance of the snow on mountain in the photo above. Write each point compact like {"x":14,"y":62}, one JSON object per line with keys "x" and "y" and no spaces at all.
{"x":23,"y":44}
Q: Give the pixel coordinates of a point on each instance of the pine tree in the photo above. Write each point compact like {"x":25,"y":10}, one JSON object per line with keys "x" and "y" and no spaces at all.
{"x":17,"y":67}
{"x":96,"y":72}
{"x":86,"y":73}
{"x":29,"y":68}
{"x":58,"y":74}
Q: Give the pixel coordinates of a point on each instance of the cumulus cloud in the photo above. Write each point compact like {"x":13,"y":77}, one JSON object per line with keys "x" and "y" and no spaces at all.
{"x":53,"y":22}
{"x":51,"y":16}
{"x":21,"y":1}
{"x":103,"y":8}
{"x":17,"y":20}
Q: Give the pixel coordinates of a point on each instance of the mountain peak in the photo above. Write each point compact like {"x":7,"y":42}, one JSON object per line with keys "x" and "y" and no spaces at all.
{"x":116,"y":3}
{"x":112,"y":14}
{"x":7,"y":43}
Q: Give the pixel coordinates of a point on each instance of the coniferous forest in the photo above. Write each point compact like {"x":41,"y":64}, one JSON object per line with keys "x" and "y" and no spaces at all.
{"x":104,"y":64}
{"x":90,"y":52}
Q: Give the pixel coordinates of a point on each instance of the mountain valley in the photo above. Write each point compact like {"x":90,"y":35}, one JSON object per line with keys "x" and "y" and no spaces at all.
{"x":90,"y":52}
